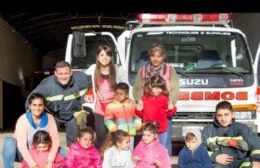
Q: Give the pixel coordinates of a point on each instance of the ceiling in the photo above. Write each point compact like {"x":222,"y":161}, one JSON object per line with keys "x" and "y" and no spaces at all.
{"x":48,"y":32}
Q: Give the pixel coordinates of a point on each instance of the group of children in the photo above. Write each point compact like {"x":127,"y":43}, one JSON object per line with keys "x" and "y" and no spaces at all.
{"x":116,"y":151}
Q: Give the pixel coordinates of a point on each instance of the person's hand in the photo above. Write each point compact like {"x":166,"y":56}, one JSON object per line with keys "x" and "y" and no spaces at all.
{"x":113,"y":129}
{"x":256,"y":165}
{"x":157,"y":163}
{"x":139,"y":105}
{"x":81,"y":117}
{"x":224,"y":159}
{"x":136,"y":159}
{"x":170,"y":105}
{"x":48,"y":165}
{"x":138,"y":126}
{"x":35,"y":166}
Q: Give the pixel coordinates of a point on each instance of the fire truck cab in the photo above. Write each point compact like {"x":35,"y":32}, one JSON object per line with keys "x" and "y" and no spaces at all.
{"x":212,"y":60}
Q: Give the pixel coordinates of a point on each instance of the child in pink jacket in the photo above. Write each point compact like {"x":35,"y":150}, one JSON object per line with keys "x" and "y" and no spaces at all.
{"x":83,"y":154}
{"x":149,"y":153}
{"x":40,"y":152}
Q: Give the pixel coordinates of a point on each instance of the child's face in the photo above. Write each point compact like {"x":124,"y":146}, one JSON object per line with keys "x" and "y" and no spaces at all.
{"x":103,"y":58}
{"x":41,"y":147}
{"x":191,"y":144}
{"x":86,"y":140}
{"x":148,"y":137}
{"x":121,"y":95}
{"x":156,"y":91}
{"x":125,"y":144}
{"x":224,"y":117}
{"x":36,"y":107}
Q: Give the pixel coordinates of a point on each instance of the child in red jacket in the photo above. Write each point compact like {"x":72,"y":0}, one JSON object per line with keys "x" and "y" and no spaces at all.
{"x":154,"y":105}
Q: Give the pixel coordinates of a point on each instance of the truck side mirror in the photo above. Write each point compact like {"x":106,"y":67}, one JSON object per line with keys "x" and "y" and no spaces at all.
{"x":79,"y":44}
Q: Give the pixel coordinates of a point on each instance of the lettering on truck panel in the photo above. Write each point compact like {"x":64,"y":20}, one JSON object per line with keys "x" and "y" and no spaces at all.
{"x":227,"y":95}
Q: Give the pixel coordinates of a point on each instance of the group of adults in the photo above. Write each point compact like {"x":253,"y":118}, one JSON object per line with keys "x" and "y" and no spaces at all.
{"x":63,"y":96}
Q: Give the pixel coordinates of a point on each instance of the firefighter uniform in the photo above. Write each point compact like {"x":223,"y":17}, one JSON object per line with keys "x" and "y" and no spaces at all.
{"x":242,"y":144}
{"x":64,"y":101}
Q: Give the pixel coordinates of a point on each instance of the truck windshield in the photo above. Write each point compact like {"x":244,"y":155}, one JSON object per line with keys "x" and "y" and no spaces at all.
{"x":194,"y":52}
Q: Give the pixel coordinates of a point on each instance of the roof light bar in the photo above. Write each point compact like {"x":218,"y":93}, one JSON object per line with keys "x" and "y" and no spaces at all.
{"x":212,"y":18}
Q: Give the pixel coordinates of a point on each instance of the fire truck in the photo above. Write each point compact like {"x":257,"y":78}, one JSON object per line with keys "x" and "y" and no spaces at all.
{"x":212,"y":60}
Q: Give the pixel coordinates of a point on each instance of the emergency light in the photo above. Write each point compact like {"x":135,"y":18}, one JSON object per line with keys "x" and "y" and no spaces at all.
{"x":212,"y":18}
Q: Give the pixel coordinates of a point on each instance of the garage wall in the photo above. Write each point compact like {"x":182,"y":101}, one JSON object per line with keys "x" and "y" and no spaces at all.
{"x":17,"y":61}
{"x":16,"y":55}
{"x":249,"y":24}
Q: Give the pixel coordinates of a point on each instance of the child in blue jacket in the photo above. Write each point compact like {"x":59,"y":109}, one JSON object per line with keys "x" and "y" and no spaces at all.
{"x":194,"y":154}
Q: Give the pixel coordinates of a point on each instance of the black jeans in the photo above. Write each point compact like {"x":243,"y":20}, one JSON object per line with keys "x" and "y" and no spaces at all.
{"x":100,"y":129}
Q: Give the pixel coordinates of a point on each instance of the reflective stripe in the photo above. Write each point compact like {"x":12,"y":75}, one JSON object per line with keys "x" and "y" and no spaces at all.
{"x":76,"y":95}
{"x":255,"y":152}
{"x":213,"y":140}
{"x":245,"y":164}
{"x":69,"y":97}
{"x":54,"y":98}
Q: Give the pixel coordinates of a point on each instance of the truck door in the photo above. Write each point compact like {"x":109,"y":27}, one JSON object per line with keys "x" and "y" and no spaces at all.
{"x":92,"y":41}
{"x":257,"y":71}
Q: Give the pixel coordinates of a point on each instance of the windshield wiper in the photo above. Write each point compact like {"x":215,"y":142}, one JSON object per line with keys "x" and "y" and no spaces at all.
{"x":182,"y":73}
{"x":224,"y":67}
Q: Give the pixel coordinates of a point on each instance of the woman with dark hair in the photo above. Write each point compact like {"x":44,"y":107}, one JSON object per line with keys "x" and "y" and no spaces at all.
{"x":105,"y":74}
{"x":16,"y":148}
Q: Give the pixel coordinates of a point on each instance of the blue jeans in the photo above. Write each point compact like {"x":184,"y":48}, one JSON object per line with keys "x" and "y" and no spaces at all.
{"x":10,"y":152}
{"x":163,"y":138}
{"x":169,"y":137}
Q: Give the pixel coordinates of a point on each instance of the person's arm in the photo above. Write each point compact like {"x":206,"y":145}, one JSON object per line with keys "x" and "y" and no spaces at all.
{"x":21,"y":130}
{"x":206,"y":161}
{"x":164,"y":159}
{"x":109,"y":118}
{"x":138,"y":86}
{"x":174,"y":86}
{"x":129,"y":161}
{"x":105,"y":163}
{"x":54,"y":134}
{"x":253,"y":141}
{"x":207,"y":146}
{"x":98,"y":161}
{"x":70,"y":158}
{"x":181,"y":160}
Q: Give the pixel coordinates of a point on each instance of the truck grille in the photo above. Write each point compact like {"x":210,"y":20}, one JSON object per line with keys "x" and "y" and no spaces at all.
{"x":194,"y":115}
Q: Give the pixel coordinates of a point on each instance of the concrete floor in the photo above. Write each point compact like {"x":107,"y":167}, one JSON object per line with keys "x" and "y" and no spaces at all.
{"x":63,"y":143}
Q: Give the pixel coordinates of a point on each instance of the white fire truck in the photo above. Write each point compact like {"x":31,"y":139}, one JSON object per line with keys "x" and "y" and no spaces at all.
{"x":212,"y":59}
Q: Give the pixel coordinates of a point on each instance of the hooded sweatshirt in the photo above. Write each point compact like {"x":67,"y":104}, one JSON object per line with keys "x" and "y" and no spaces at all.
{"x":198,"y":157}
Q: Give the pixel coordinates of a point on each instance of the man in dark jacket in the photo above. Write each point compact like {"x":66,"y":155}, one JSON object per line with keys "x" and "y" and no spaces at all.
{"x":64,"y":92}
{"x":231,"y":144}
